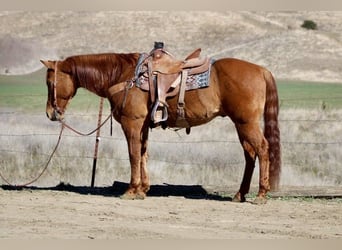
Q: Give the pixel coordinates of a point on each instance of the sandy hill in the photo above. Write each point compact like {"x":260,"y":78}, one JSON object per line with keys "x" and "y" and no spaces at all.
{"x":272,"y":39}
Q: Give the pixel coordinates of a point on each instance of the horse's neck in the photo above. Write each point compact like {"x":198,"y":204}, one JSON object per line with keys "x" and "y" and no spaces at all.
{"x":99,"y":89}
{"x":100,"y":85}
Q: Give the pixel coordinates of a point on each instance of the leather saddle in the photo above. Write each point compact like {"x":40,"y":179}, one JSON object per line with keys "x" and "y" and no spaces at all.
{"x":164,"y":76}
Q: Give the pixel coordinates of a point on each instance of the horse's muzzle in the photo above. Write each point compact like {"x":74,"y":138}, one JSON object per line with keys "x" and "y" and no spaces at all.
{"x":54,"y":115}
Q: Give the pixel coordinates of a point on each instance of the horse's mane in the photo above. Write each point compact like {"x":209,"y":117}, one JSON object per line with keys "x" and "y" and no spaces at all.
{"x":99,"y":68}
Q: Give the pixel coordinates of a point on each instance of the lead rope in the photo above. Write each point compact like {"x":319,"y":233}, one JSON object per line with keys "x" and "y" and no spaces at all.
{"x":57,"y":144}
{"x":63,"y":125}
{"x":44,"y":169}
{"x":91,"y":132}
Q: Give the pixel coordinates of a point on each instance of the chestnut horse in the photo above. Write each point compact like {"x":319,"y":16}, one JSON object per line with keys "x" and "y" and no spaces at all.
{"x":238,"y":89}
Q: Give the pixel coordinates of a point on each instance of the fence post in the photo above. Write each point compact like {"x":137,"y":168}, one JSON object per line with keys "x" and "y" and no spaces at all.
{"x":97,"y":142}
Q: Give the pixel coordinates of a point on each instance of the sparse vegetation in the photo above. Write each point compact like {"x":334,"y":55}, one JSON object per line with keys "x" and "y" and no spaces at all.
{"x":309,"y":24}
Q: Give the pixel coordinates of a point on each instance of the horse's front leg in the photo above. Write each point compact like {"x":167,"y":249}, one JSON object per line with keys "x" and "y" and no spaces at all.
{"x":134,"y":132}
{"x":145,"y":180}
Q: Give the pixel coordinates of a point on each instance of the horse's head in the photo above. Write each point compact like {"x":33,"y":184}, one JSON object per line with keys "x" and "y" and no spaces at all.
{"x":61,"y":89}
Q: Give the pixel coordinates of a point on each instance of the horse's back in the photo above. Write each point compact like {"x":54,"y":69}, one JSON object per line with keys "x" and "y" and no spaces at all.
{"x":238,"y":70}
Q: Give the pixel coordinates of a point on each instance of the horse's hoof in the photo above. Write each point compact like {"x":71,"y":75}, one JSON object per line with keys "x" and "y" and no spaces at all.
{"x":133,"y":196}
{"x":259,"y":200}
{"x":127,"y":196}
{"x":236,"y":199}
{"x":140,"y":196}
{"x":239,"y":198}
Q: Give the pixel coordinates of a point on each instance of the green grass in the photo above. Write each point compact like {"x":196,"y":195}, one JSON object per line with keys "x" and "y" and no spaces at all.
{"x":23,"y":92}
{"x":303,"y":94}
{"x":29,"y":92}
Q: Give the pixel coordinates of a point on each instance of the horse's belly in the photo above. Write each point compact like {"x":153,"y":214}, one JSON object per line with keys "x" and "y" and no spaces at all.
{"x":201,"y":106}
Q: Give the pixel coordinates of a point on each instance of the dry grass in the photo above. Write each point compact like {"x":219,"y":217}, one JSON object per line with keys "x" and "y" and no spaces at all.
{"x":210,"y":155}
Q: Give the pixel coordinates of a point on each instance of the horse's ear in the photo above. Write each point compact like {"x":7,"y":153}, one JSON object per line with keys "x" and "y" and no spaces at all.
{"x":48,"y":64}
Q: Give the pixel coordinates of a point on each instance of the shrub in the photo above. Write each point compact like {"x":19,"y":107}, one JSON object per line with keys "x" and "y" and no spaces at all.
{"x":310,"y":25}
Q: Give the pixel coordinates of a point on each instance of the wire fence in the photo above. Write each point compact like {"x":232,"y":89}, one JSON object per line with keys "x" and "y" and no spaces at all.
{"x":306,"y":139}
{"x":116,"y":139}
{"x":10,"y":134}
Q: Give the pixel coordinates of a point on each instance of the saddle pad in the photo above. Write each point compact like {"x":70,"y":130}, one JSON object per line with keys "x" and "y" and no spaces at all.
{"x":198,"y":81}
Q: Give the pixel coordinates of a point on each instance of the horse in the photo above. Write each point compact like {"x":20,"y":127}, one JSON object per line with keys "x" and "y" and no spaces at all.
{"x":243,"y":91}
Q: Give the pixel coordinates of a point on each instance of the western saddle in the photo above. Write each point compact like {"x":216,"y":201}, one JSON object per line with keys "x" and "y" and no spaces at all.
{"x":164,"y":76}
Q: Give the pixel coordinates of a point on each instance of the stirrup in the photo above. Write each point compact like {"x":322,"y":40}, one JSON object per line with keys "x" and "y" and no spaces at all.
{"x":159,"y":113}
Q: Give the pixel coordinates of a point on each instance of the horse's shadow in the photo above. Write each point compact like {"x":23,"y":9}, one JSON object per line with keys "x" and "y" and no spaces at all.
{"x":118,"y":188}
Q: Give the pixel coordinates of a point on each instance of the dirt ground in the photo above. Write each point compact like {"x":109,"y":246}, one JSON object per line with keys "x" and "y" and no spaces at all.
{"x":176,"y":212}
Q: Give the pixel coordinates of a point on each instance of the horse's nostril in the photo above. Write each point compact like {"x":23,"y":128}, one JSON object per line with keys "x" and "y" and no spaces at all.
{"x":53,"y":116}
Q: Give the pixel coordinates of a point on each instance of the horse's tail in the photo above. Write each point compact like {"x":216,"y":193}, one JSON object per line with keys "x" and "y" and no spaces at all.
{"x":271,"y":129}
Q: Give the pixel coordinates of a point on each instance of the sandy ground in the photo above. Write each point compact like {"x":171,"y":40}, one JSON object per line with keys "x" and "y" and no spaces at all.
{"x":64,"y":214}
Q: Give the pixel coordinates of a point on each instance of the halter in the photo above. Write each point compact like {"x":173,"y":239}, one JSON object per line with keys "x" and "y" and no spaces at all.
{"x":54,"y":104}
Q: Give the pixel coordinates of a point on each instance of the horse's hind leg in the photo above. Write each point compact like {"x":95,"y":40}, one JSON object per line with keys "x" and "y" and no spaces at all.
{"x":254,"y":145}
{"x":247,"y":176}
